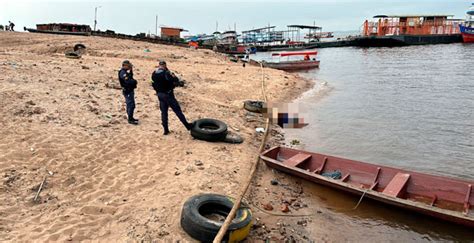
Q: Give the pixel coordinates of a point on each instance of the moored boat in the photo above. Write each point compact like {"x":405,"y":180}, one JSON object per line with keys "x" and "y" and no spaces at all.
{"x":467,"y":28}
{"x":403,"y":30}
{"x":61,"y":29}
{"x":294,"y":65}
{"x":445,"y":198}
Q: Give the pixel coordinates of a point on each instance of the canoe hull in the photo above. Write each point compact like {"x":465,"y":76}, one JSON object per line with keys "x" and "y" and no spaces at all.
{"x":271,"y":158}
{"x":292,"y":66}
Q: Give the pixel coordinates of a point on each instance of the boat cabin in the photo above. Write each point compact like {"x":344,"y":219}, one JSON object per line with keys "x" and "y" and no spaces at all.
{"x":389,"y":25}
{"x":228,"y":38}
{"x":64,"y":27}
{"x":470,"y":17}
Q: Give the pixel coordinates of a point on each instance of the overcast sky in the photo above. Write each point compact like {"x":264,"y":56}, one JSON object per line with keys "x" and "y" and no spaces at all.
{"x":132,"y":17}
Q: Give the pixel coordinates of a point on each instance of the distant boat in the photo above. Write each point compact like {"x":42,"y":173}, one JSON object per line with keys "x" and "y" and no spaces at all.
{"x":403,"y":30}
{"x":61,"y":29}
{"x":294,"y":65}
{"x":445,"y":198}
{"x":467,"y":28}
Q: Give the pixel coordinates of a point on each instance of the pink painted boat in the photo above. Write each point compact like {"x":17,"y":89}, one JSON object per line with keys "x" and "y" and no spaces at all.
{"x":442,"y":197}
{"x":290,"y":65}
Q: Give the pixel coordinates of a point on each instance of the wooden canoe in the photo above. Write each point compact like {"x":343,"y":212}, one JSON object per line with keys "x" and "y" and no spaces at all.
{"x":438,"y":196}
{"x":292,"y":65}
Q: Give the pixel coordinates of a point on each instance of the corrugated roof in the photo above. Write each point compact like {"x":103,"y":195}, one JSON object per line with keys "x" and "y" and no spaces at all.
{"x":259,"y":29}
{"x":304,"y":26}
{"x":171,"y":27}
{"x":413,"y":16}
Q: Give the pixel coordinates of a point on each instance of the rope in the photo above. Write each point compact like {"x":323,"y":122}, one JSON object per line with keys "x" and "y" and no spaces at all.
{"x":225,"y":226}
{"x":233,"y":211}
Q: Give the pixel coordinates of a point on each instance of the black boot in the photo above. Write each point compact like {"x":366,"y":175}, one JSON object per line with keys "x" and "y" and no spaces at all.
{"x":133,"y":121}
{"x":189,"y":126}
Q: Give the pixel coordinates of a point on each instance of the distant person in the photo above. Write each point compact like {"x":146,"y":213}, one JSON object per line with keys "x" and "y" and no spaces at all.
{"x":128,"y":85}
{"x":306,"y":57}
{"x":164,"y":83}
{"x":12,"y":26}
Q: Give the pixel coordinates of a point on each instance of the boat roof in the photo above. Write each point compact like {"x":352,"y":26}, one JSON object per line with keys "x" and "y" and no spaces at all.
{"x":65,"y":24}
{"x":171,"y":27}
{"x":304,"y":26}
{"x":259,"y":29}
{"x":303,"y":53}
{"x":413,"y":16}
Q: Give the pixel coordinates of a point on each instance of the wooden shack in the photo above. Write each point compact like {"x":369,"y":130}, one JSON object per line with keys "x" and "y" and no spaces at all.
{"x":171,"y":32}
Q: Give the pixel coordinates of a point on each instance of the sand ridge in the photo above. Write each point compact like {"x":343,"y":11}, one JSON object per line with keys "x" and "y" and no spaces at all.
{"x":107,"y":180}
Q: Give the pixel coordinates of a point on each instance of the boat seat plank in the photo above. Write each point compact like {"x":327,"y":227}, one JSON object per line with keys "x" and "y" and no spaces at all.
{"x":396,"y":186}
{"x":297,"y":159}
{"x":321,"y":168}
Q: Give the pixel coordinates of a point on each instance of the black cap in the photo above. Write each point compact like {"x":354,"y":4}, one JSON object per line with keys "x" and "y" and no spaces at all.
{"x":126,"y":62}
{"x":162,"y":62}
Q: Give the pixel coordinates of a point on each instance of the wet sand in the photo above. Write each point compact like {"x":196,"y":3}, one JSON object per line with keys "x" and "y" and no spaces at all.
{"x":64,"y":119}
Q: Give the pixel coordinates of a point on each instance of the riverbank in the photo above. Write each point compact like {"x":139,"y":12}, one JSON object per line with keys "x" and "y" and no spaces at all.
{"x":64,"y":119}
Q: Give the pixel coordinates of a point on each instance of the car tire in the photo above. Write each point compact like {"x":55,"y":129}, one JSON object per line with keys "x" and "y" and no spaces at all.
{"x":233,"y":138}
{"x":254,"y":106}
{"x":201,"y":228}
{"x":211,"y":130}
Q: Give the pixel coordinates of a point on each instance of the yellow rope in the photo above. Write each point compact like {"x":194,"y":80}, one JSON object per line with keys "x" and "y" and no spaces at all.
{"x":238,"y":200}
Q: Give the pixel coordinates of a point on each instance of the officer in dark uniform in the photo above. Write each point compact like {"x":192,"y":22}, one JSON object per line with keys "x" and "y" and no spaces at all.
{"x":128,"y":84}
{"x":164,"y":83}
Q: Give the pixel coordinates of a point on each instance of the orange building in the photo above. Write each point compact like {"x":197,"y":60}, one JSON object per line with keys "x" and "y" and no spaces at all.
{"x":171,"y":32}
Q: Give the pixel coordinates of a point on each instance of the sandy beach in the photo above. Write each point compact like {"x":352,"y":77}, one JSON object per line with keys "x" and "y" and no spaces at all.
{"x":64,"y":120}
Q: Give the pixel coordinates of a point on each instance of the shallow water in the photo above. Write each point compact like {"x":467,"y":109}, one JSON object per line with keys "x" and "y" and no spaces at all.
{"x":409,"y":107}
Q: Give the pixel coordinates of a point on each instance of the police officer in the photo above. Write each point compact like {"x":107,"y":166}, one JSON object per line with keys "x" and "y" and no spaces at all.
{"x":164,"y":83}
{"x":128,"y":86}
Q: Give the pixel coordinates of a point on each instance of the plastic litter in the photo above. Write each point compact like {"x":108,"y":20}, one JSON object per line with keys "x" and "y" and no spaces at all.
{"x":336,"y":175}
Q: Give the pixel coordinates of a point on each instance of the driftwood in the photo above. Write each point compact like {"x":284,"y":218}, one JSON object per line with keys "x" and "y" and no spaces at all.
{"x":39,"y":189}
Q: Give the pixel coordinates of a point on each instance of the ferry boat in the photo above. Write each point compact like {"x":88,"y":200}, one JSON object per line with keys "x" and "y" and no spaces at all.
{"x":467,"y":28}
{"x":61,"y":29}
{"x":403,"y":30}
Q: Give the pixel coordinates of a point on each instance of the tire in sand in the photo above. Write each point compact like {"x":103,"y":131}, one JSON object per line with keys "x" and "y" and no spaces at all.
{"x":233,"y":138}
{"x":211,"y":130}
{"x":254,"y":106}
{"x":203,"y":215}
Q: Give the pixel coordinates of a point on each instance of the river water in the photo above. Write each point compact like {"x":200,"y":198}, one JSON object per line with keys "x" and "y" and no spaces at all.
{"x":407,"y":107}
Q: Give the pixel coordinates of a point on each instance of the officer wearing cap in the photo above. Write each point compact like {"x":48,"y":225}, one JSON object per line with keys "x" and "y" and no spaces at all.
{"x":128,"y":85}
{"x":164,"y":83}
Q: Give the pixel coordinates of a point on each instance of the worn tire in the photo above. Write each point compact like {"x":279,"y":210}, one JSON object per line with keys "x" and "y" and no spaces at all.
{"x":233,"y":138}
{"x":79,"y":46}
{"x":254,"y":106}
{"x":204,"y":229}
{"x":209,"y":130}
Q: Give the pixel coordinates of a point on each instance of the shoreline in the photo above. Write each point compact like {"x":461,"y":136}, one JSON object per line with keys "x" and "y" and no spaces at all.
{"x":107,"y":180}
